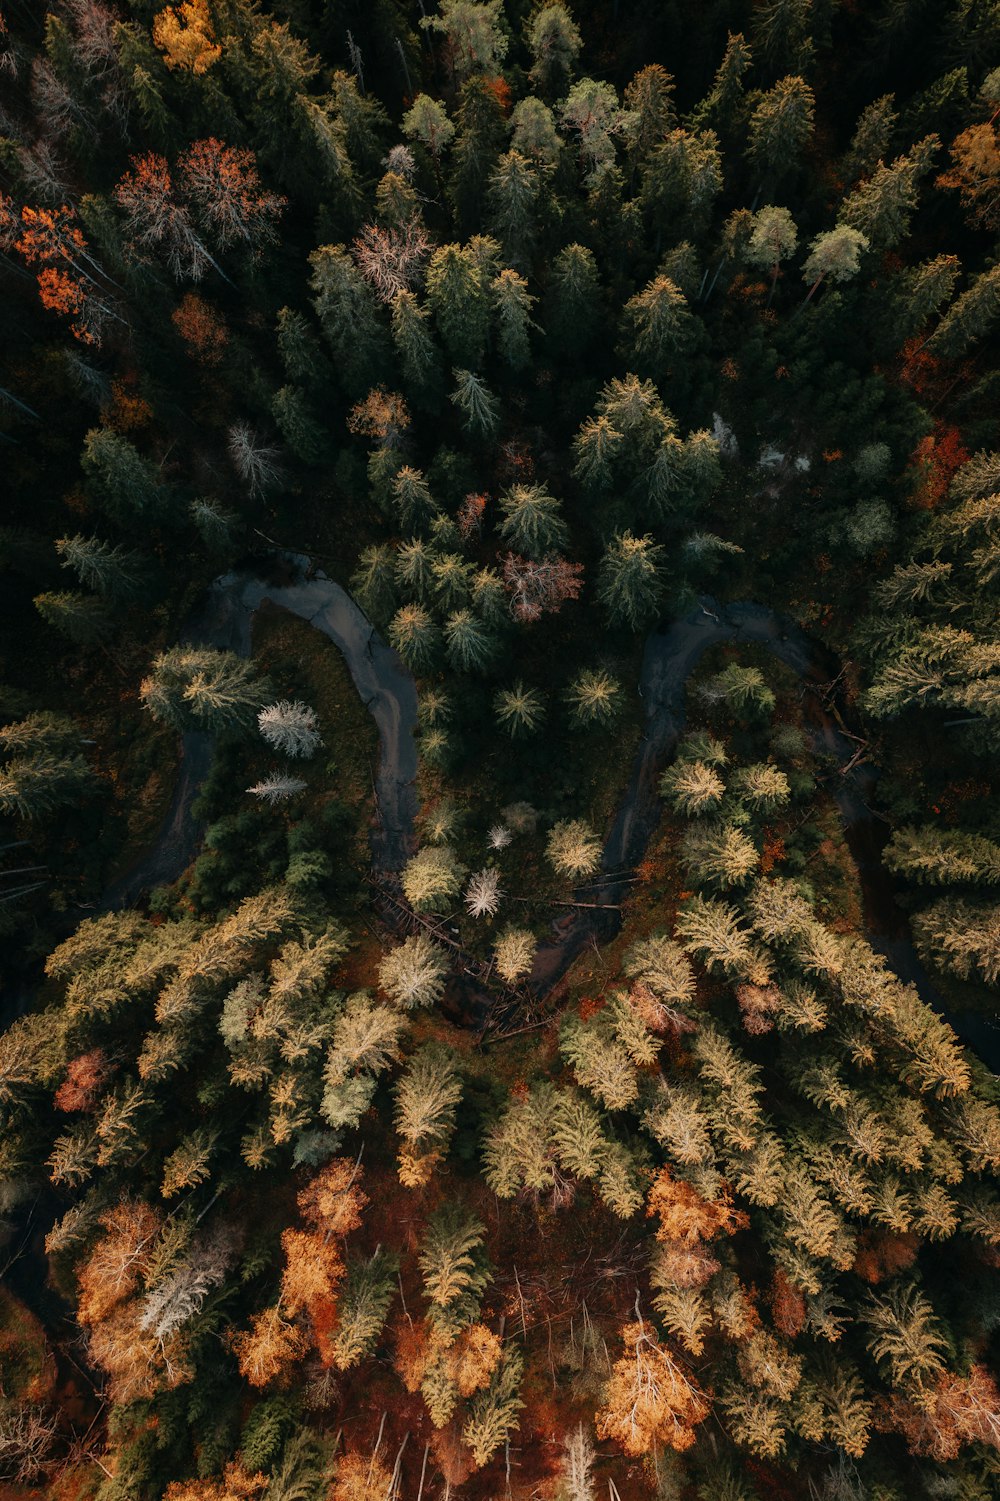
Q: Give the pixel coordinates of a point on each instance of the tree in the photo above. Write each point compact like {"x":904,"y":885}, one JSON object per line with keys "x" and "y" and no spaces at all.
{"x":474,"y":37}
{"x":291,"y":728}
{"x":373,"y":583}
{"x":125,"y":484}
{"x":592,"y":111}
{"x":412,"y":499}
{"x":468,"y":643}
{"x":692,"y":788}
{"x":555,"y":43}
{"x":573,"y":849}
{"x":630,"y":583}
{"x":780,"y":127}
{"x":681,"y":181}
{"x":936,"y":857}
{"x":573,"y":301}
{"x":200,"y":688}
{"x":222,"y":184}
{"x":650,"y":1398}
{"x":33,"y":786}
{"x":660,"y":325}
{"x":432,"y":878}
{"x":459,"y":300}
{"x":970,"y":317}
{"x":427,"y":122}
{"x":881,"y":206}
{"x":513,"y":304}
{"x":413,"y":343}
{"x":594,"y":697}
{"x":533,"y":131}
{"x":299,"y":425}
{"x":742,"y":690}
{"x":493,"y":1413}
{"x":764,"y":786}
{"x":347,"y":312}
{"x":427,"y":1097}
{"x":392,"y":260}
{"x":454,"y":1269}
{"x":772,"y":240}
{"x":479,"y":407}
{"x":185,"y":36}
{"x":414,"y":973}
{"x":519,"y":710}
{"x":905,"y":1336}
{"x":514,"y":954}
{"x":962,"y":937}
{"x":81,"y":618}
{"x":539,"y":587}
{"x":718,"y":854}
{"x":363,"y":1306}
{"x":413,"y":633}
{"x":277,"y":788}
{"x":835,"y":254}
{"x":513,"y":194}
{"x":712,"y":930}
{"x":255,"y":462}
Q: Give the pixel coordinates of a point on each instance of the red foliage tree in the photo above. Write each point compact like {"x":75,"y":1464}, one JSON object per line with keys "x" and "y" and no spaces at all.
{"x":537,"y":588}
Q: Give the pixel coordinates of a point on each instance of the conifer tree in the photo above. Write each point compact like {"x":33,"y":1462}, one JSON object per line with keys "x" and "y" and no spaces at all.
{"x":113,"y":571}
{"x":413,"y":633}
{"x":630,"y":584}
{"x":362,"y":1308}
{"x":459,"y":301}
{"x":199,"y":688}
{"x":594,"y":697}
{"x":555,"y":43}
{"x":432,"y":879}
{"x":414,"y":973}
{"x":427,"y":1097}
{"x":780,"y":127}
{"x":513,"y":304}
{"x":470,"y":646}
{"x":479,"y":408}
{"x":533,"y":522}
{"x":519,"y":710}
{"x":573,"y":849}
{"x":81,"y":618}
{"x":573,"y":300}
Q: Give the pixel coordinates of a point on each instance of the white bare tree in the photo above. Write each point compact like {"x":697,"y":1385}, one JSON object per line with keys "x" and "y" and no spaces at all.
{"x":277,"y":787}
{"x":482,"y":895}
{"x":254,"y":461}
{"x":290,"y":728}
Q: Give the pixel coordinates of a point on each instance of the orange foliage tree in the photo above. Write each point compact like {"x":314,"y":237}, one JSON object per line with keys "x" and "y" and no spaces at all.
{"x":975,"y":172}
{"x":650,"y":1399}
{"x":940,"y":1419}
{"x":201,"y":327}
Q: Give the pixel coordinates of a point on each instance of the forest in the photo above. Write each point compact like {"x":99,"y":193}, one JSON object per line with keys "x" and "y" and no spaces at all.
{"x":499,"y":728}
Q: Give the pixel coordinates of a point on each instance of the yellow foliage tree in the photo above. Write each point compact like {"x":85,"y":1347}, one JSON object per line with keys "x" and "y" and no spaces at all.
{"x":184,"y":35}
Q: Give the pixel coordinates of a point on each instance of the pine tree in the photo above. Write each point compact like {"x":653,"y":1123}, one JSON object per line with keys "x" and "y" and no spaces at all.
{"x":459,"y":301}
{"x":427,"y":1097}
{"x":660,"y":326}
{"x":513,"y":193}
{"x":962,"y":937}
{"x":630,"y":584}
{"x":414,"y":973}
{"x":475,"y":38}
{"x":970,"y":317}
{"x":834,"y":255}
{"x":346,"y":308}
{"x":513,"y":303}
{"x":432,"y":879}
{"x":493,"y":1412}
{"x":362,"y":1308}
{"x":533,"y":522}
{"x":413,"y":633}
{"x":124,"y":484}
{"x":937,"y":857}
{"x":718,"y":854}
{"x":373,"y":583}
{"x":412,"y":499}
{"x":114,"y":572}
{"x":573,"y":849}
{"x":479,"y":407}
{"x":468,"y":643}
{"x":881,"y":206}
{"x":573,"y":308}
{"x":200,"y":688}
{"x":533,"y":131}
{"x":299,"y":425}
{"x":519,"y":710}
{"x":277,"y":788}
{"x":772,"y":240}
{"x":763,"y":786}
{"x":514,"y":954}
{"x":450,"y":581}
{"x":415,"y":347}
{"x":81,"y":618}
{"x":780,"y":127}
{"x":455,"y":1271}
{"x":555,"y":42}
{"x":594,"y":697}
{"x":478,"y":143}
{"x":906,"y":1336}
{"x":692,"y":788}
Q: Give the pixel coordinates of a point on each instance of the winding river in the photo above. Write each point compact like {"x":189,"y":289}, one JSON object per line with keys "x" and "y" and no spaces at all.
{"x":389,"y":693}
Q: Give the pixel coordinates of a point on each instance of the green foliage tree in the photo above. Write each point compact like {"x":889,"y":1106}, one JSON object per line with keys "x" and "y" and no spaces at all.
{"x":200,"y":688}
{"x":630,"y":584}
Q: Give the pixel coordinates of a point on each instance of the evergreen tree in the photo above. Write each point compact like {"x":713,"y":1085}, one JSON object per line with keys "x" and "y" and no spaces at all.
{"x":594,"y":697}
{"x":479,"y":407}
{"x":519,"y":710}
{"x":199,"y":688}
{"x":415,"y":347}
{"x":124,"y":484}
{"x":573,"y":849}
{"x":780,"y":128}
{"x":555,"y":43}
{"x":469,"y":645}
{"x":630,"y":585}
{"x":427,"y":1097}
{"x":81,"y":618}
{"x":459,"y":300}
{"x":362,"y":1308}
{"x":513,"y":304}
{"x":432,"y":878}
{"x":112,"y":571}
{"x":413,"y":633}
{"x":573,"y":301}
{"x":414,"y":973}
